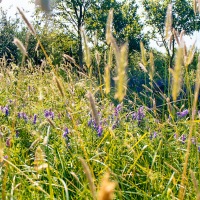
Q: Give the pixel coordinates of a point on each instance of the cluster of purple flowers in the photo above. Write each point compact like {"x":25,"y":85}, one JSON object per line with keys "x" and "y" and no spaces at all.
{"x":22,"y":115}
{"x":139,"y":115}
{"x":5,"y":110}
{"x":49,"y":114}
{"x":115,"y":116}
{"x":117,"y":109}
{"x":182,"y":114}
{"x":99,"y":129}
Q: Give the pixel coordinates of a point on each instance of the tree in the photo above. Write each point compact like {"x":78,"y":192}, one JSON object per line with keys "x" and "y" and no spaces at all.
{"x":183,"y":17}
{"x":8,"y":29}
{"x":92,"y":14}
{"x":72,"y":14}
{"x":126,"y":21}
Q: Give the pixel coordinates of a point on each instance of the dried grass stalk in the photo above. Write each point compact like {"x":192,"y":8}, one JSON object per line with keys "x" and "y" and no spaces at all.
{"x":107,"y":72}
{"x":152,"y":67}
{"x":107,"y":189}
{"x":121,"y":55}
{"x":143,"y":68}
{"x":195,"y":183}
{"x":97,"y":57}
{"x":109,"y":37}
{"x":195,"y":6}
{"x":1,"y":150}
{"x":39,"y":161}
{"x":176,"y":36}
{"x":32,"y":30}
{"x":143,"y":53}
{"x":109,"y":27}
{"x":20,"y":45}
{"x":89,"y":177}
{"x":177,"y":72}
{"x":87,"y":54}
{"x":69,"y":58}
{"x":121,"y":79}
{"x":59,"y":85}
{"x":168,"y":21}
{"x":190,"y":55}
{"x":93,"y":107}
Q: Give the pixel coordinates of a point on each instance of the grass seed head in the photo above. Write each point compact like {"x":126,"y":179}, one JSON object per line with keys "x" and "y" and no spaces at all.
{"x":20,"y":46}
{"x":121,"y":79}
{"x":87,"y":54}
{"x":109,"y":27}
{"x":89,"y":177}
{"x":143,"y":54}
{"x":32,"y":30}
{"x":93,"y":107}
{"x":59,"y":85}
{"x":168,"y":22}
{"x":107,"y":189}
{"x":177,"y":72}
{"x":39,"y":161}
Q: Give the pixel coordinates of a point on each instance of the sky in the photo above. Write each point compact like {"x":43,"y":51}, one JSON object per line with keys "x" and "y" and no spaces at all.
{"x":10,"y":6}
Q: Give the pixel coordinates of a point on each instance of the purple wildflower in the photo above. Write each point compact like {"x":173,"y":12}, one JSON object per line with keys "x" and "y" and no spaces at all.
{"x":154,"y":134}
{"x":25,"y":117}
{"x":199,"y":149}
{"x":6,"y":110}
{"x":183,"y":138}
{"x":117,"y":109}
{"x":66,"y":132}
{"x":49,"y":114}
{"x":116,"y":123}
{"x":100,"y":131}
{"x":139,"y":115}
{"x":34,"y":119}
{"x":183,"y":113}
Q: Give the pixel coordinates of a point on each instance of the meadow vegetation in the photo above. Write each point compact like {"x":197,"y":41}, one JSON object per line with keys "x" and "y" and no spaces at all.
{"x":103,"y":130}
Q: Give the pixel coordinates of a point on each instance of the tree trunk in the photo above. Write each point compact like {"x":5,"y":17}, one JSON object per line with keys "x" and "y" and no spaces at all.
{"x":80,"y":47}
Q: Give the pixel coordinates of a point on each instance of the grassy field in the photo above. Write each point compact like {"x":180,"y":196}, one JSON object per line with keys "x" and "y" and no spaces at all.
{"x":52,"y":148}
{"x":63,"y":136}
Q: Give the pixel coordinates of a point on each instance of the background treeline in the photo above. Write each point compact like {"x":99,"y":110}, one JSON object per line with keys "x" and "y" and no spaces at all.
{"x":60,"y":33}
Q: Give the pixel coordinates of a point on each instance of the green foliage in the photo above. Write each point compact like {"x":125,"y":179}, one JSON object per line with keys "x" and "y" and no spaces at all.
{"x":8,"y":29}
{"x":126,"y":24}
